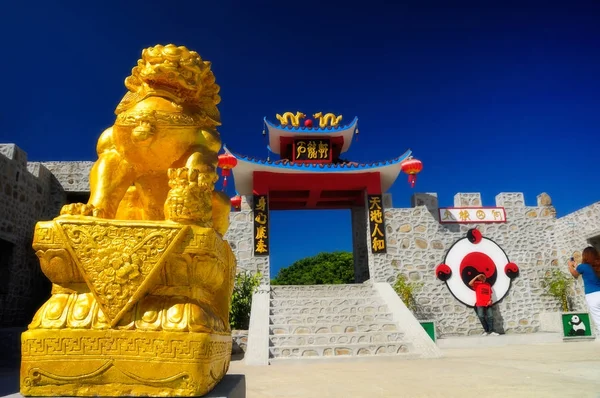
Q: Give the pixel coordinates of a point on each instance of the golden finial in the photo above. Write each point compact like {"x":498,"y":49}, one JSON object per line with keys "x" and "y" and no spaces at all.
{"x":328,"y":118}
{"x":290,"y":118}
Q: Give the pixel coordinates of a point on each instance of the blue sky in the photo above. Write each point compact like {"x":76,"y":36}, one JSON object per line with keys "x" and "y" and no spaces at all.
{"x":492,"y":98}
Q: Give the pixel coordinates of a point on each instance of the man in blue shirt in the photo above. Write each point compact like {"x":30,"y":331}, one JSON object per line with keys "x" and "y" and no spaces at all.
{"x":589,"y":269}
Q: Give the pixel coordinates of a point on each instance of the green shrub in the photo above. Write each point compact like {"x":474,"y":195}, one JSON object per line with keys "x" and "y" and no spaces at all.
{"x":323,"y":269}
{"x":406,"y":290}
{"x":558,"y":284}
{"x":246,"y":284}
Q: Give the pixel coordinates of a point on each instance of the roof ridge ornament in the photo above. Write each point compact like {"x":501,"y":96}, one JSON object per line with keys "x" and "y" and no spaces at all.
{"x":328,"y":118}
{"x":290,"y":118}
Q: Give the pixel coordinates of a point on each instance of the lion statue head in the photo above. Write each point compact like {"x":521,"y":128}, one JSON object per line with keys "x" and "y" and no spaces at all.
{"x":177,"y":74}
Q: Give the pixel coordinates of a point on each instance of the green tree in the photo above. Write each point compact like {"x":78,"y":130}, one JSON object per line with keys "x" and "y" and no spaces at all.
{"x":323,"y":269}
{"x":245,"y":286}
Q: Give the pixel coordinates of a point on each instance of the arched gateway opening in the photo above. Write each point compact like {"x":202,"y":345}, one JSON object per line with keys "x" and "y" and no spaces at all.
{"x":310,"y":174}
{"x":310,"y":247}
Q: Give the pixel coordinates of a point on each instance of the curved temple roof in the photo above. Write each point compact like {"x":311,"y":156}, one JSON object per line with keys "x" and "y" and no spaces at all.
{"x":243,"y":173}
{"x":275,"y":132}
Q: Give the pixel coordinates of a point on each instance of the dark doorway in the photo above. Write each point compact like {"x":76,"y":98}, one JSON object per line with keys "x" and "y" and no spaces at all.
{"x":6,"y":258}
{"x":595,"y":242}
{"x":78,"y":197}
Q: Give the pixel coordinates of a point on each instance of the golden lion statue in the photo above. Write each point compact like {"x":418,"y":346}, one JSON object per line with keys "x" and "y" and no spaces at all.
{"x":166,"y":121}
{"x":141,"y":275}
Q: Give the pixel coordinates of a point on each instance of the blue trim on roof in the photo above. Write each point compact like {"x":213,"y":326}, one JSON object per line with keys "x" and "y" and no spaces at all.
{"x":314,"y":130}
{"x":322,"y":167}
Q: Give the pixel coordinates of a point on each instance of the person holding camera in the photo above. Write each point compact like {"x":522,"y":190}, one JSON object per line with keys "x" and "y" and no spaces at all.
{"x":483,"y":304}
{"x":589,"y":269}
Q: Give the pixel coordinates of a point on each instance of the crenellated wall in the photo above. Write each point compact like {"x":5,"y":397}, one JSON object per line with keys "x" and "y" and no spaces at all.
{"x":417,"y":242}
{"x":532,"y":237}
{"x":28,"y":193}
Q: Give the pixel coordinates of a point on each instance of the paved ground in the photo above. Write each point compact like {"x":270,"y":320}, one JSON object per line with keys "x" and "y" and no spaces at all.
{"x":546,"y":370}
{"x":543,"y":370}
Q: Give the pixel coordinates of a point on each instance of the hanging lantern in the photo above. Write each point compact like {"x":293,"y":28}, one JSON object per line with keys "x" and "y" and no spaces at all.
{"x":226,"y":163}
{"x":412,"y":167}
{"x":236,"y":202}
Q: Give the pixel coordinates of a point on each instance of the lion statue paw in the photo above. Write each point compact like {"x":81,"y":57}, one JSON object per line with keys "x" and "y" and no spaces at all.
{"x":81,"y":209}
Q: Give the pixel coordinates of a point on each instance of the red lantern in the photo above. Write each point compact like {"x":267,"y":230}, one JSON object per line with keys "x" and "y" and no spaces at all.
{"x":226,"y":163}
{"x":236,"y":202}
{"x":412,"y":167}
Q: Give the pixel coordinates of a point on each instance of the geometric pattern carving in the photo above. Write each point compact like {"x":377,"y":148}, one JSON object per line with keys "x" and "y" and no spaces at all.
{"x":118,"y":262}
{"x":165,"y":364}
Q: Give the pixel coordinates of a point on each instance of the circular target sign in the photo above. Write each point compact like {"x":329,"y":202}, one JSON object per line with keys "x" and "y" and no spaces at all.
{"x":471,"y":256}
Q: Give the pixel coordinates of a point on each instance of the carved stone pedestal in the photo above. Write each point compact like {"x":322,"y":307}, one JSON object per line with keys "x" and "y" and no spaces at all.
{"x":122,"y":363}
{"x":137,"y":309}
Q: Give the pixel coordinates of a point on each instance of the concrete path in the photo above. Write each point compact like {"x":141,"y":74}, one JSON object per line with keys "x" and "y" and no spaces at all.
{"x":559,"y":369}
{"x":545,"y":370}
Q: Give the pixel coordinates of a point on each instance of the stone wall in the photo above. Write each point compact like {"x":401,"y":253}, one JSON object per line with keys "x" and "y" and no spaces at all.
{"x":241,"y":239}
{"x":532,"y":237}
{"x":573,"y":233}
{"x":72,"y":176}
{"x":360,"y":247}
{"x":240,"y":341}
{"x":28,"y":193}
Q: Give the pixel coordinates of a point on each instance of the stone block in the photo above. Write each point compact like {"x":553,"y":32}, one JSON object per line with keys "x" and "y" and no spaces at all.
{"x":72,"y":176}
{"x":387,"y":201}
{"x":544,"y":199}
{"x":427,"y":199}
{"x":510,"y":199}
{"x":14,"y":153}
{"x":551,"y":322}
{"x":246,"y":202}
{"x":467,"y":199}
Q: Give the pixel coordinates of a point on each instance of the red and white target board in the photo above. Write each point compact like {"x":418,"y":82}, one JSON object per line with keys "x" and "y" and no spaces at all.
{"x":471,"y":256}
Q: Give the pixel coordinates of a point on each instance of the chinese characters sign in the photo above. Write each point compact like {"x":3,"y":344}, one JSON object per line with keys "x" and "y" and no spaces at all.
{"x":261,"y":225}
{"x":316,"y":150}
{"x":472,"y":215}
{"x":376,"y":224}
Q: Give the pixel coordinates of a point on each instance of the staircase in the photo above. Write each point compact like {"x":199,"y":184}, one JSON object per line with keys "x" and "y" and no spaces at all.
{"x":332,"y":321}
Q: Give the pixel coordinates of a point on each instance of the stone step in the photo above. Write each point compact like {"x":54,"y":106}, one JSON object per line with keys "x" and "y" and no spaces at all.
{"x":295,"y":361}
{"x":325,"y":302}
{"x":381,"y":326}
{"x":302,"y":310}
{"x":334,"y":350}
{"x":322,"y":291}
{"x":284,"y":340}
{"x":329,"y":318}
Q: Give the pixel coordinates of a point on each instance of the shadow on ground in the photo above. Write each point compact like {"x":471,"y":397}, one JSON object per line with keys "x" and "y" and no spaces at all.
{"x":9,"y":381}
